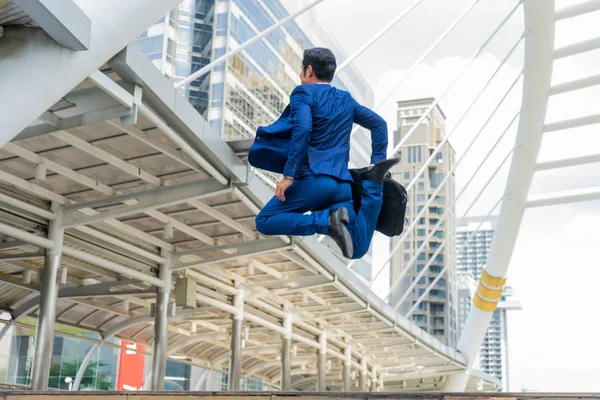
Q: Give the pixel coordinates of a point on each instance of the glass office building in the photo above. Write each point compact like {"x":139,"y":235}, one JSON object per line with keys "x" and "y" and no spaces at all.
{"x":253,"y":87}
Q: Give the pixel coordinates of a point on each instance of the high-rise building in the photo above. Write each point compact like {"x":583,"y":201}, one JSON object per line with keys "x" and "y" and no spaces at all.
{"x":416,"y":263}
{"x":472,"y":251}
{"x":251,"y":88}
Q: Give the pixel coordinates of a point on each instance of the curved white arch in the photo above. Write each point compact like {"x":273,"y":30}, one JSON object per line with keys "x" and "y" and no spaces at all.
{"x":539,"y":48}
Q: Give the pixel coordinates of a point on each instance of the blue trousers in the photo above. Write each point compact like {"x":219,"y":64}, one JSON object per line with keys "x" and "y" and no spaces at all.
{"x":319,"y":194}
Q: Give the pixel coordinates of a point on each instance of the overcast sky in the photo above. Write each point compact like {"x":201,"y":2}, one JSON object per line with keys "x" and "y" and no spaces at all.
{"x":553,"y":343}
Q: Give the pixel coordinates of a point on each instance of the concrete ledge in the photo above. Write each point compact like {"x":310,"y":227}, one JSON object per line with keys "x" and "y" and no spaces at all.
{"x":26,"y":395}
{"x":63,"y":20}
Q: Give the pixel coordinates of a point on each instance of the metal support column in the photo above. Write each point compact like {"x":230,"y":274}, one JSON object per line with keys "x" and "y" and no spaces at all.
{"x":363,"y":375}
{"x":537,"y":74}
{"x":161,"y":326}
{"x":374,"y":379}
{"x":44,"y":335}
{"x":235,"y":362}
{"x":286,"y":353}
{"x":347,"y":367}
{"x":322,"y":363}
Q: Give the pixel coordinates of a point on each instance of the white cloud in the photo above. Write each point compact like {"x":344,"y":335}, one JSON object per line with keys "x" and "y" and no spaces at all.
{"x":554,"y":274}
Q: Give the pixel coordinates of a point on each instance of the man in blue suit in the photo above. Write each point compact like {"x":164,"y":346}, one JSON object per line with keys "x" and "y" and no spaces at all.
{"x":310,"y":145}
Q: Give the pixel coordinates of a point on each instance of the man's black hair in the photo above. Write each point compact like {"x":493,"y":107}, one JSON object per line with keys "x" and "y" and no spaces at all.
{"x":322,"y":61}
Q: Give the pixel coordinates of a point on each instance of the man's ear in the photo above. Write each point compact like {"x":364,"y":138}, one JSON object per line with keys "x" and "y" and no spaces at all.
{"x":309,"y":71}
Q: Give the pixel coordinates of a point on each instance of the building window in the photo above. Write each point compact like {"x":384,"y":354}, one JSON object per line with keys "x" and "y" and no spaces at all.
{"x":414,"y":154}
{"x":420,"y":232}
{"x":421,"y":186}
{"x":407,"y":175}
{"x":436,"y":178}
{"x":221,"y":24}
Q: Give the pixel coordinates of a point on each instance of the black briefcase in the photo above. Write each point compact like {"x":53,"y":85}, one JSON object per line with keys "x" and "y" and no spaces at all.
{"x":393,"y":210}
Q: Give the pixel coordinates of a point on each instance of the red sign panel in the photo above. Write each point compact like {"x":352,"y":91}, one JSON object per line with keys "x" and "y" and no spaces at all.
{"x":131,"y":367}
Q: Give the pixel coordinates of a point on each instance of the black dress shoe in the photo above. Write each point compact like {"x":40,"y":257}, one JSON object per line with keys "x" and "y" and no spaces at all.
{"x":377,"y":172}
{"x":338,"y":220}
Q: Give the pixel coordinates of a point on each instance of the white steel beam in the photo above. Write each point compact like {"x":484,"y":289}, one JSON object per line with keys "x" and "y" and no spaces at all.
{"x":40,"y":212}
{"x":539,"y":44}
{"x":32,"y":188}
{"x":143,"y":201}
{"x":26,"y":236}
{"x":243,"y":250}
{"x":572,"y":123}
{"x":81,"y":107}
{"x":63,"y":20}
{"x":77,"y":177}
{"x":59,"y":169}
{"x":185,"y":147}
{"x":577,"y":10}
{"x":97,"y":290}
{"x":209,"y":67}
{"x":577,"y":48}
{"x":180,"y":226}
{"x":112,"y":266}
{"x":227,"y":220}
{"x":568,"y":162}
{"x":94,"y":216}
{"x":82,"y":119}
{"x":120,"y":243}
{"x":175,"y":154}
{"x":112,"y":88}
{"x":565,"y":197}
{"x":570,"y":86}
{"x":35,"y":64}
{"x":268,"y":270}
{"x":109,"y":158}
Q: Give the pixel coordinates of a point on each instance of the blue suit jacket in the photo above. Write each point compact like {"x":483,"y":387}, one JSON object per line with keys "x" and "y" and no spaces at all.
{"x":315,"y":128}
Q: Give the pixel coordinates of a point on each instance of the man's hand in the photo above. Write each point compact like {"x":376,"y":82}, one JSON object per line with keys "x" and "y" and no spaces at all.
{"x":282,"y":186}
